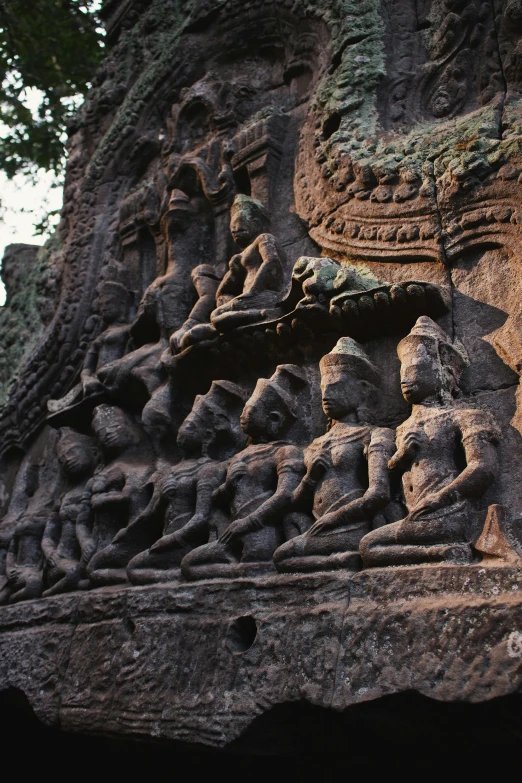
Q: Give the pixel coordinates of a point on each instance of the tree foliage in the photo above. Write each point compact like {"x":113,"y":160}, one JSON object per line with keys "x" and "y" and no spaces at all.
{"x":55,"y":47}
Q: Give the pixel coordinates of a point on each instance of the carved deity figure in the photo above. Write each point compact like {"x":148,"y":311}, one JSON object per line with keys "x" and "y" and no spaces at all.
{"x":197,"y":327}
{"x":77,"y":455}
{"x":24,"y":560}
{"x":260,"y":481}
{"x":162,"y":308}
{"x":182,"y":499}
{"x":114,"y":303}
{"x":117,"y":493}
{"x":347,"y":481}
{"x":255,"y":284}
{"x":446,"y":454}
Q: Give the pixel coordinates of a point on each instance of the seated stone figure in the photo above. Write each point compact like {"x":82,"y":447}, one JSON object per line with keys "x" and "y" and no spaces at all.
{"x":260,"y":481}
{"x":197,"y":327}
{"x":256,"y":283}
{"x":446,"y":454}
{"x":347,"y":481}
{"x":77,"y":455}
{"x":108,"y":347}
{"x":117,"y":493}
{"x":24,"y":560}
{"x":162,"y":307}
{"x":182,"y":501}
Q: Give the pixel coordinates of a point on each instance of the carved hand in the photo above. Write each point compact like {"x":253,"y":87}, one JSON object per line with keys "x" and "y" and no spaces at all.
{"x":318,"y":468}
{"x":236,"y":529}
{"x":410,"y":447}
{"x":429,"y":503}
{"x":322,"y":525}
{"x":91,"y":386}
{"x":172,"y":541}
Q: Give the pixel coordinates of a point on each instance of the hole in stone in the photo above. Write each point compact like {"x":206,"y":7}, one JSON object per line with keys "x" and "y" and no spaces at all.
{"x":129,"y":625}
{"x":242,"y":634}
{"x":331,"y":124}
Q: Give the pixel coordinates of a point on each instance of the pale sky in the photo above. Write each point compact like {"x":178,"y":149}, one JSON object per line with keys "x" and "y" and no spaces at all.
{"x":24,"y":203}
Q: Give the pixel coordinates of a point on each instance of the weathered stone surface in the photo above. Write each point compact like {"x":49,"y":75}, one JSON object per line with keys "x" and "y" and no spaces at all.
{"x":262,"y":443}
{"x":198,"y":662}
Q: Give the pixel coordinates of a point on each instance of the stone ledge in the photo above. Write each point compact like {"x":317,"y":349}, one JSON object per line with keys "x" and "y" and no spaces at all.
{"x":131,"y":662}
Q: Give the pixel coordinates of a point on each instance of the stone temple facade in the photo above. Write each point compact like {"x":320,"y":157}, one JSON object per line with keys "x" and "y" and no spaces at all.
{"x":261,"y":431}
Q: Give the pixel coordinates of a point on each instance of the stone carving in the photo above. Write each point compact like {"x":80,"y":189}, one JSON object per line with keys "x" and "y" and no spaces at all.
{"x":117,"y":493}
{"x":260,"y":480}
{"x":346,"y":482}
{"x":197,"y":327}
{"x":77,"y":455}
{"x":373,"y":148}
{"x":114,"y":303}
{"x":24,"y":527}
{"x":182,"y":499}
{"x":160,"y":308}
{"x":255,"y":284}
{"x":446,"y":454}
{"x":328,"y":295}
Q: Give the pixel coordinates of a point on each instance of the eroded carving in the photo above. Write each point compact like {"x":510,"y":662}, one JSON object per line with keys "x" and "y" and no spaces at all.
{"x":260,"y":480}
{"x":255,"y":283}
{"x":118,"y":492}
{"x":445,"y":453}
{"x":77,"y":455}
{"x":182,"y":499}
{"x":346,"y":482}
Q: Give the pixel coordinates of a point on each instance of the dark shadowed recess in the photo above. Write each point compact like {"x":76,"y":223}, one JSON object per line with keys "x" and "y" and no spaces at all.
{"x":396,"y":735}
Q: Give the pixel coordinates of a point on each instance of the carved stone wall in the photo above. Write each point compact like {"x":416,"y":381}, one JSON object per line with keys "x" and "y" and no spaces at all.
{"x":268,"y":448}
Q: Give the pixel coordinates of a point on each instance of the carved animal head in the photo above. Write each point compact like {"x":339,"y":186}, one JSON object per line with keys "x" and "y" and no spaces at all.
{"x":431,"y":365}
{"x":349,"y":381}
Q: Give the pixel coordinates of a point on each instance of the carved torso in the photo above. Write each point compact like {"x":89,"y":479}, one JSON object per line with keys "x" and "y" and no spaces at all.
{"x":179,"y":491}
{"x":442,"y":435}
{"x":344,"y":449}
{"x":254,"y":474}
{"x":111,"y":344}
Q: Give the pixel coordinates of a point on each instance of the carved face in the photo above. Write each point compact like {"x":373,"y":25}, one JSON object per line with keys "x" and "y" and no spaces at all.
{"x":113,"y":306}
{"x":420,"y":370}
{"x":340,"y":390}
{"x":112,"y":428}
{"x":192,"y":432}
{"x":264,"y":416}
{"x":76,"y":458}
{"x":244,"y":227}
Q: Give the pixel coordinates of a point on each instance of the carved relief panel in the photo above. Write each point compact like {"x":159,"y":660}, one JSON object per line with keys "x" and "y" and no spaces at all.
{"x":286,"y":350}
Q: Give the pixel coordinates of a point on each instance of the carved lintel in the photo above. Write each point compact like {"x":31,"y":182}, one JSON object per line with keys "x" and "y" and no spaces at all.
{"x":259,"y":149}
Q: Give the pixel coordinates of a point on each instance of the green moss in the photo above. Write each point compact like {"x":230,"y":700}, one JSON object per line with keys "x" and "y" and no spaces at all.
{"x":22,"y":320}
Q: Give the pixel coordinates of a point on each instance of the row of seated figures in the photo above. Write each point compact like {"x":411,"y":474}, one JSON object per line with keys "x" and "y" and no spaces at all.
{"x":248,"y":497}
{"x":257,"y":290}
